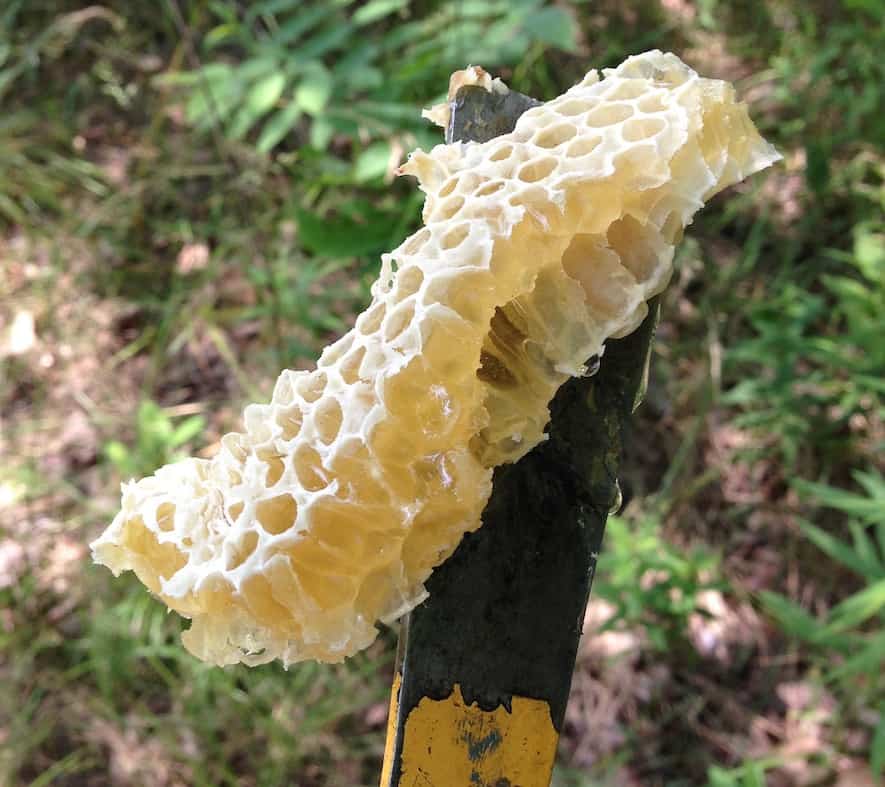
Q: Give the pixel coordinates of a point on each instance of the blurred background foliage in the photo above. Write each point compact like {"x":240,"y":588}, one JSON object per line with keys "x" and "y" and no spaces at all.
{"x":195,"y":194}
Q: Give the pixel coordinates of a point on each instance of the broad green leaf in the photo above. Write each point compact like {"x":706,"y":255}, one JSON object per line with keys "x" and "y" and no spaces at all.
{"x":554,"y":26}
{"x":210,"y":73}
{"x":357,"y":229}
{"x":278,"y":126}
{"x":365,"y":78}
{"x":302,"y":22}
{"x":260,"y":99}
{"x":755,"y":775}
{"x":314,"y":90}
{"x":149,"y":414}
{"x":118,"y":454}
{"x":325,"y":41}
{"x":187,"y":430}
{"x":321,"y":131}
{"x":487,"y":8}
{"x":209,"y":103}
{"x":242,"y":121}
{"x":257,"y":67}
{"x":270,"y":8}
{"x":378,"y":9}
{"x":266,"y":92}
{"x":718,"y":777}
{"x":372,"y":163}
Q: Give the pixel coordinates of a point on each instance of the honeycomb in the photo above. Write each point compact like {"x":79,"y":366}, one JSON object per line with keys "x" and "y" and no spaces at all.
{"x":333,"y":506}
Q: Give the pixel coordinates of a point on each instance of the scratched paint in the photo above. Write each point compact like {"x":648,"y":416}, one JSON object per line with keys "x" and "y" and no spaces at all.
{"x":448,"y":743}
{"x":390,"y":744}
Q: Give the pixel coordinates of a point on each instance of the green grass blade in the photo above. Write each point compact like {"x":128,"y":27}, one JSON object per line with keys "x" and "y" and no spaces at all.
{"x":858,"y":608}
{"x":839,"y":551}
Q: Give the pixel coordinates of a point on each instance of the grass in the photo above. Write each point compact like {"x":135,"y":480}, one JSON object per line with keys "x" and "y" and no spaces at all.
{"x":193,"y":196}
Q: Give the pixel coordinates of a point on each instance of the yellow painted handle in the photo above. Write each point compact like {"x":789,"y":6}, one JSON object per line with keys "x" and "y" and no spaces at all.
{"x":450,"y":743}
